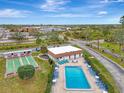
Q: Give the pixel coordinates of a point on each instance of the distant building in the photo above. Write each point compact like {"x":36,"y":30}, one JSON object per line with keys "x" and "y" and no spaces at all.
{"x":52,"y":28}
{"x":3,"y":32}
{"x":11,"y":34}
{"x":68,"y":28}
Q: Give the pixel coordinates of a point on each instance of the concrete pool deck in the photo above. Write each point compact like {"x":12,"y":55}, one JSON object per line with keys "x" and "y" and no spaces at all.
{"x":59,"y":86}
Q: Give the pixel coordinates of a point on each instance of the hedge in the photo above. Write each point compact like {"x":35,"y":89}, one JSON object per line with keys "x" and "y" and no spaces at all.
{"x":19,"y":46}
{"x":50,"y":77}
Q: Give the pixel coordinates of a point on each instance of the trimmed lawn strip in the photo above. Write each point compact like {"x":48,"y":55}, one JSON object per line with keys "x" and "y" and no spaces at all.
{"x":103,"y":73}
{"x":117,"y":60}
{"x":18,"y":46}
{"x":112,"y":46}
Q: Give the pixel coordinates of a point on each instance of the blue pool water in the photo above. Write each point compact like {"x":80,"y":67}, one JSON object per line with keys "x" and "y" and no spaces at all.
{"x":75,"y":78}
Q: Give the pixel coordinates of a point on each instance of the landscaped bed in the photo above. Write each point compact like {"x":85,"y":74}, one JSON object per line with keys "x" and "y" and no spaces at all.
{"x":44,"y":56}
{"x":37,"y":84}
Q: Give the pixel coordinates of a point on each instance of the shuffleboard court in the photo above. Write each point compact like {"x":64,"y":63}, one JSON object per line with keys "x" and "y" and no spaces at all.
{"x":13,"y":64}
{"x":10,"y":66}
{"x":32,"y":61}
{"x":24,"y":60}
{"x":17,"y":63}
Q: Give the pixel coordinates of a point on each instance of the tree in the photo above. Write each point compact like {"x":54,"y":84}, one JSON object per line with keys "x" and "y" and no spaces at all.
{"x":122,"y":21}
{"x":87,"y":33}
{"x":119,"y":36}
{"x":54,"y":37}
{"x":97,"y":35}
{"x":1,"y":35}
{"x":26,"y":72}
{"x":18,"y":36}
{"x":110,"y":37}
{"x":51,"y":61}
{"x":38,"y":41}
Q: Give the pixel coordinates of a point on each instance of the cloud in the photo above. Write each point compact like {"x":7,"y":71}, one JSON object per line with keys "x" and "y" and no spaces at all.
{"x":18,"y":2}
{"x":69,"y":15}
{"x":54,"y":5}
{"x":13,"y":13}
{"x":102,"y":13}
{"x":112,"y":1}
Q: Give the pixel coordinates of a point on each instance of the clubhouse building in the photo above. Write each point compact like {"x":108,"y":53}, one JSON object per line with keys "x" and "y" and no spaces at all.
{"x":65,"y":53}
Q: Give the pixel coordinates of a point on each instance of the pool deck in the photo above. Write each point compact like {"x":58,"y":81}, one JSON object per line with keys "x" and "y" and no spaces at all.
{"x":59,"y":86}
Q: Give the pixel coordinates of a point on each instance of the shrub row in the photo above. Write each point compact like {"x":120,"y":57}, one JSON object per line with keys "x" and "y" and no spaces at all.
{"x":17,"y":46}
{"x":49,"y":83}
{"x":102,"y":72}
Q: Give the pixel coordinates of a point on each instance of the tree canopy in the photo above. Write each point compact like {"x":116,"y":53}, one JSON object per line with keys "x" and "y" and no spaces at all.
{"x":26,"y":72}
{"x":122,"y":21}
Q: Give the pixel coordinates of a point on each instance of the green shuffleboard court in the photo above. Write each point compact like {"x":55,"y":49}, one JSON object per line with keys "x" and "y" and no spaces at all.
{"x":17,"y":63}
{"x":13,"y":64}
{"x":32,"y":61}
{"x":9,"y":66}
{"x":24,"y":60}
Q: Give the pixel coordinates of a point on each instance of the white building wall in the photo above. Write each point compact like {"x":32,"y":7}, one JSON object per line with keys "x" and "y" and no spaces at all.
{"x":66,"y":57}
{"x":72,"y":57}
{"x":77,"y":56}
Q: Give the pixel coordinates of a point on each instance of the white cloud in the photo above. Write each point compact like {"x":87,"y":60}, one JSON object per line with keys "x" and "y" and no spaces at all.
{"x":53,"y":5}
{"x":102,"y":13}
{"x":104,"y":1}
{"x":112,"y":1}
{"x":13,"y":13}
{"x":70,"y":15}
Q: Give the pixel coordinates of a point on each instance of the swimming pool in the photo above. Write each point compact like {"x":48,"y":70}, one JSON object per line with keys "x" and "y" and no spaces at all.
{"x":75,"y":78}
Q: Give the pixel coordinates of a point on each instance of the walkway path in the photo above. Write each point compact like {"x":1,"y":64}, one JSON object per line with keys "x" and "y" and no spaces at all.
{"x":116,"y":71}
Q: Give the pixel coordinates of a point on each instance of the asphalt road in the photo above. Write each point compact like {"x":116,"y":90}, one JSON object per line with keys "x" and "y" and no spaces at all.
{"x":116,"y":71}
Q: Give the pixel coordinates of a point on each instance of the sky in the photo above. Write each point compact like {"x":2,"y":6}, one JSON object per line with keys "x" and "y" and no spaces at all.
{"x":61,"y":11}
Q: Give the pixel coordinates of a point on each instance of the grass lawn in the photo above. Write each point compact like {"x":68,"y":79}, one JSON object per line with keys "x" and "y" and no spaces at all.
{"x":103,"y":73}
{"x":36,"y":53}
{"x":111,"y":46}
{"x":35,"y":85}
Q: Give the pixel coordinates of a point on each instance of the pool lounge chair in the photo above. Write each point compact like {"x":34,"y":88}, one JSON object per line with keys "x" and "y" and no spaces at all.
{"x":89,"y":66}
{"x":56,"y":68}
{"x":97,"y":77}
{"x":74,"y":61}
{"x":104,"y":91}
{"x":54,"y":81}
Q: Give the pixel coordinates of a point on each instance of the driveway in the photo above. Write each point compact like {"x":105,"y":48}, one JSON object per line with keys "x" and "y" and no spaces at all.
{"x":116,"y":71}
